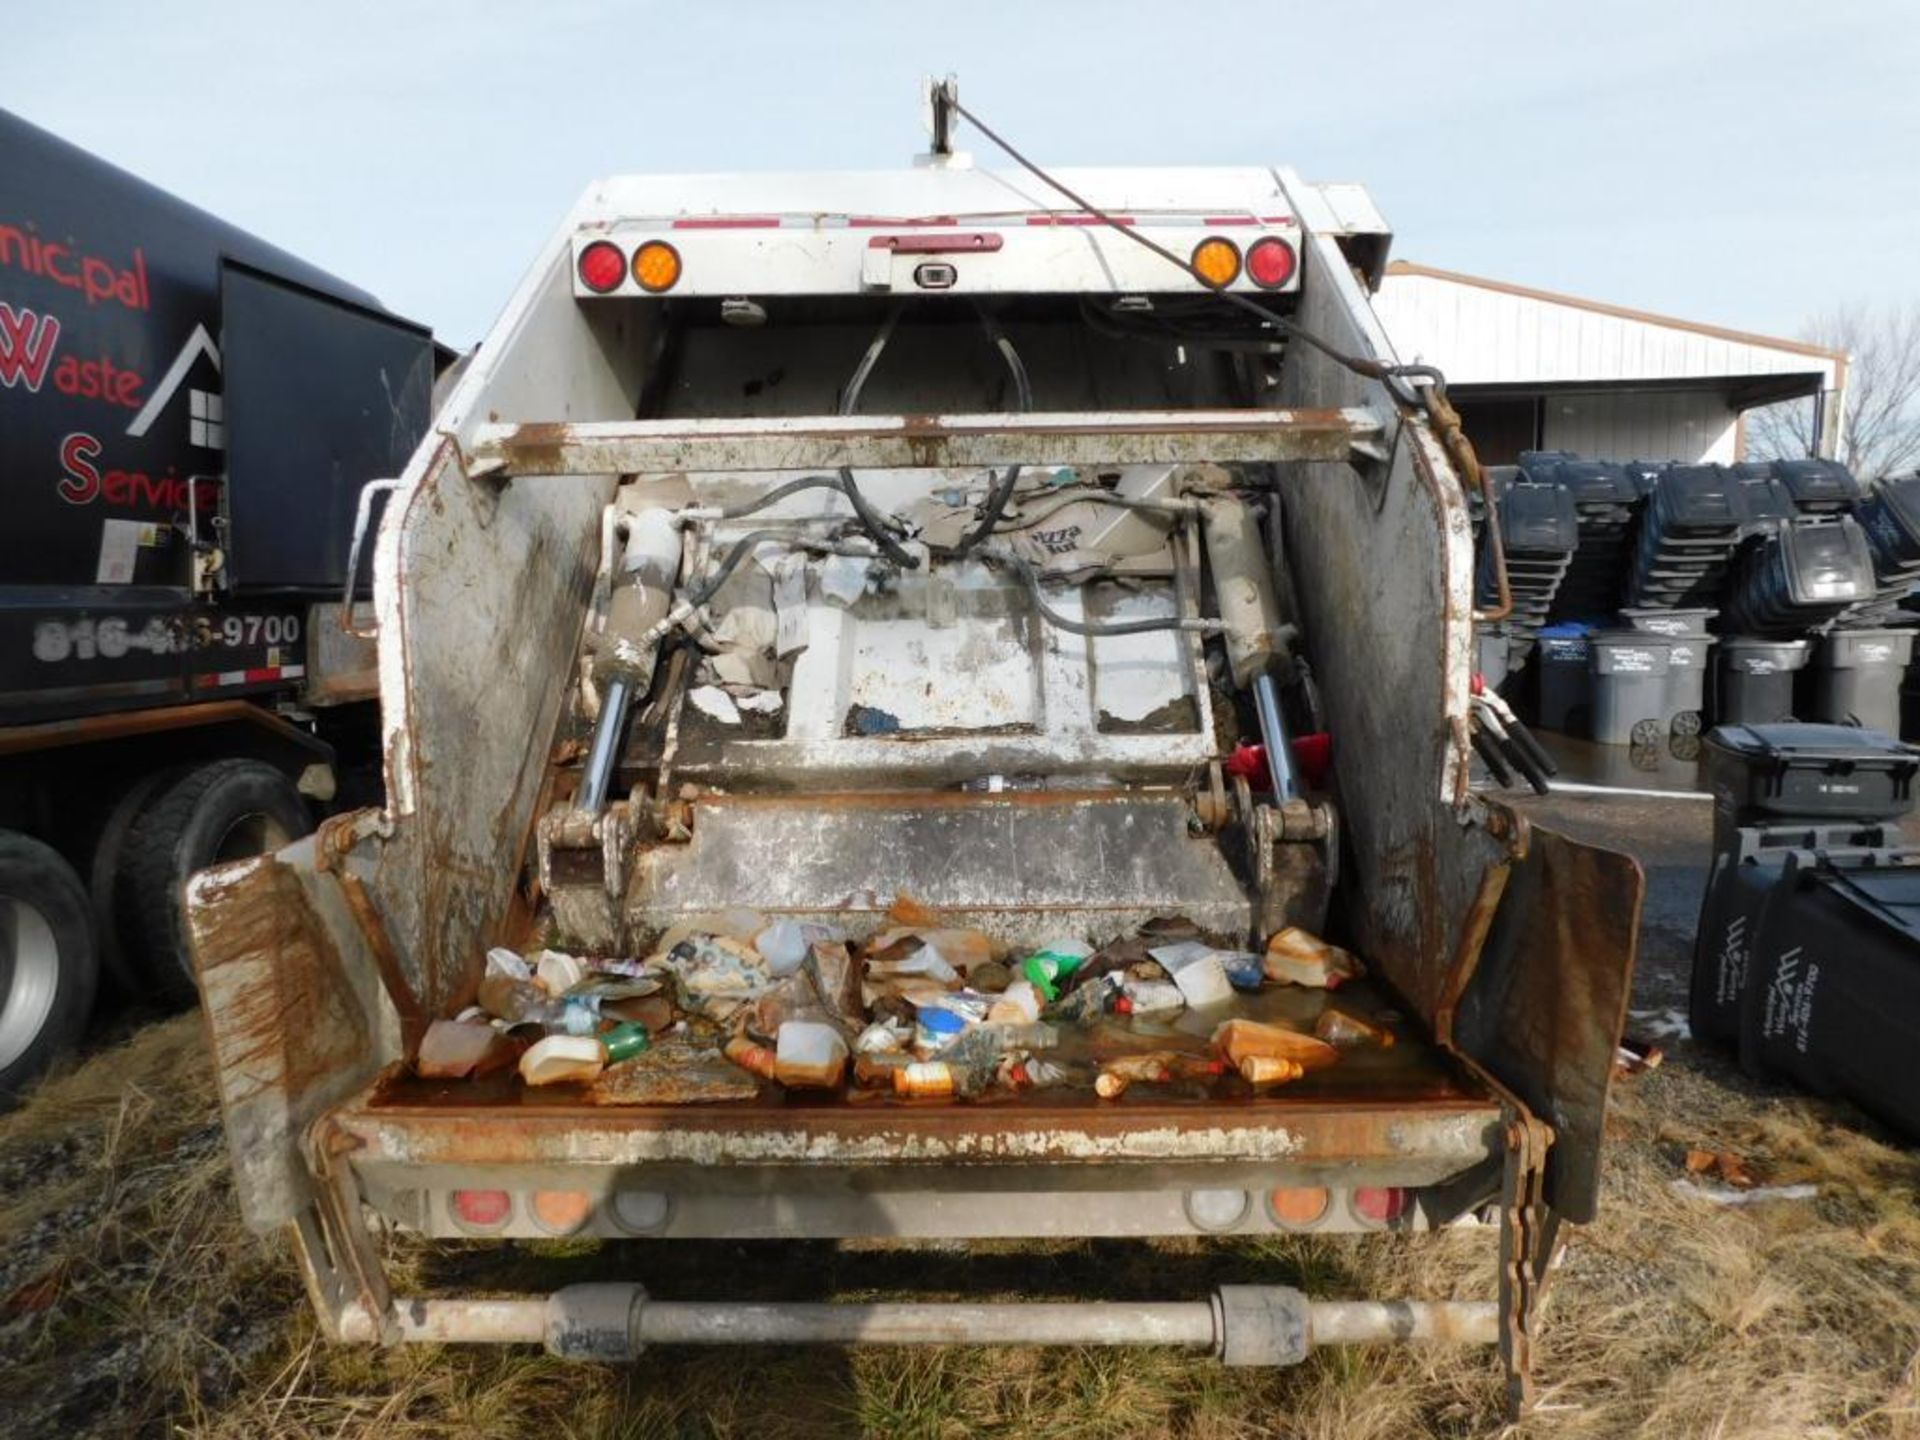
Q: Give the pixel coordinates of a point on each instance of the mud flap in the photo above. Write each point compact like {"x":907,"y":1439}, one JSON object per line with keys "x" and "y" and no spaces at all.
{"x":1543,"y":1010}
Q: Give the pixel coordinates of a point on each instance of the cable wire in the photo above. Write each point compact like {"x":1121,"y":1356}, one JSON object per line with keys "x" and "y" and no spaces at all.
{"x":1393,"y":376}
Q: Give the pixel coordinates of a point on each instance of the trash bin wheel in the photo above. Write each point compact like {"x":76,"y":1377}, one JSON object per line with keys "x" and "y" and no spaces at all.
{"x":48,"y":968}
{"x":227,"y":810}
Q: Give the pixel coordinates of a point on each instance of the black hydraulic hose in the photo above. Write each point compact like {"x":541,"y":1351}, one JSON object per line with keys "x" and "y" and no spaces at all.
{"x":742,"y":547}
{"x":1489,"y":754}
{"x":731,"y":562}
{"x":1524,"y":742}
{"x":1096,"y":627}
{"x":781,"y":492}
{"x":1001,"y":493}
{"x":870,"y":519}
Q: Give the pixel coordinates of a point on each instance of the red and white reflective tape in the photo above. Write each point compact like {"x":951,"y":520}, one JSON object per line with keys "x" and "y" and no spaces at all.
{"x":263,"y":675}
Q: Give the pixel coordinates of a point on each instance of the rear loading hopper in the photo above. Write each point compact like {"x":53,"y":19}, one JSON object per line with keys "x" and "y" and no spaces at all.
{"x":1072,"y":532}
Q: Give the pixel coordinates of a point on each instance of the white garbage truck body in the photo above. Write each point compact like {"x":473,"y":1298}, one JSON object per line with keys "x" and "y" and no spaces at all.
{"x":1024,"y":731}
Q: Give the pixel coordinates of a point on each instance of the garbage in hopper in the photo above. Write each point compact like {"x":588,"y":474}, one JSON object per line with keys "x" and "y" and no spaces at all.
{"x":751,"y":1055}
{"x":1046,"y":967}
{"x":1345,"y":1031}
{"x":1302,"y":959}
{"x":562,"y":1057}
{"x":1198,"y":970}
{"x":919,"y":1010}
{"x":453,"y":1049}
{"x":580,"y":1057}
{"x":809,"y":1056}
{"x":1236,"y":1040}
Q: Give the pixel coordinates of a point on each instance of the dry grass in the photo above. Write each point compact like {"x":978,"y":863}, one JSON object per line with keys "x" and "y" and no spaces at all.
{"x":132,"y":1302}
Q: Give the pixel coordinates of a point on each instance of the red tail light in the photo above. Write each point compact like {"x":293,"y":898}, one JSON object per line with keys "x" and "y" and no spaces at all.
{"x":1270,"y":262}
{"x":482,"y":1209}
{"x":602,"y":267}
{"x":1379,"y":1206}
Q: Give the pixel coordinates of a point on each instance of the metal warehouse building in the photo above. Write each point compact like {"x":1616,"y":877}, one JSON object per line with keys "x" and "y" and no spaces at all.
{"x":1531,"y":369}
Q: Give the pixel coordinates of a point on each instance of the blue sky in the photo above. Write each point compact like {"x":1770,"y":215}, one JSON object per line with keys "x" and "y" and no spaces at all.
{"x":1748,"y":165}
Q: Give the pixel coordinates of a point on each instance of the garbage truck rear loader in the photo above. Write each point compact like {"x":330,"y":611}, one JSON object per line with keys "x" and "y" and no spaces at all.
{"x":903,"y":556}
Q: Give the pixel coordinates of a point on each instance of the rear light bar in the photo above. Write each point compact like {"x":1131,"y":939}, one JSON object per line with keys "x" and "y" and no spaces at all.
{"x":733,"y":255}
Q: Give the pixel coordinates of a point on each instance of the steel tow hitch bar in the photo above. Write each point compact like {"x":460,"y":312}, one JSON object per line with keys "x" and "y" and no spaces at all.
{"x":1239,"y":1324}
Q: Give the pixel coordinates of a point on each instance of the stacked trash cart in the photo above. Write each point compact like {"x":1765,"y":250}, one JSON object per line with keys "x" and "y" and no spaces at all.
{"x":1807,"y":955}
{"x":1653,"y":599}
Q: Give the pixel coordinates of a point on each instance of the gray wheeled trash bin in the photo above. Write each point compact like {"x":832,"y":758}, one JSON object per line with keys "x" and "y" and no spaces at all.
{"x":1857,"y":675}
{"x":1756,"y":679}
{"x":1630,"y":686}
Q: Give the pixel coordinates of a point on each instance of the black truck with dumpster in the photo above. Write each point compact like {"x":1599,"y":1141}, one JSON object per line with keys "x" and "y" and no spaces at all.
{"x":188,"y":417}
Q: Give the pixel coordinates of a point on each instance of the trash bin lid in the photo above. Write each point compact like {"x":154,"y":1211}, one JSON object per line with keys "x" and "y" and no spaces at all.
{"x":1889,"y":895}
{"x":1798,"y":740}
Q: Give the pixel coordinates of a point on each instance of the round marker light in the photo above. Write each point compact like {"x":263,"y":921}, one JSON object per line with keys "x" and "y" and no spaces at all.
{"x":1299,"y":1206}
{"x":1270,"y":262}
{"x":1216,"y":262}
{"x":602,"y":267}
{"x":561,"y":1212}
{"x":1379,"y":1205}
{"x":656,"y":266}
{"x":1217,"y":1210}
{"x":482,"y":1209}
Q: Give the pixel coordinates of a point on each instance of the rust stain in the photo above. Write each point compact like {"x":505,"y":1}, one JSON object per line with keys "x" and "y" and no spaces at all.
{"x":281,"y":1010}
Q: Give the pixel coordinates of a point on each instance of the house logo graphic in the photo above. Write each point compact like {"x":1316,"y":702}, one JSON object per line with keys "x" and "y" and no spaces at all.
{"x":206,"y":425}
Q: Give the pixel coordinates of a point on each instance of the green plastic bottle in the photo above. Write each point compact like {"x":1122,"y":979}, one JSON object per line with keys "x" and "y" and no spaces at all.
{"x":623,"y":1042}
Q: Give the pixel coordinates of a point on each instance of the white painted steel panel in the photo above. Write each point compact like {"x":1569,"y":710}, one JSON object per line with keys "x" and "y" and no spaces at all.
{"x":1687,"y":425}
{"x":1483,"y":333}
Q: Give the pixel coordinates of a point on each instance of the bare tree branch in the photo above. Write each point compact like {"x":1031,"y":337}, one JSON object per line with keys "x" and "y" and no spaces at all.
{"x":1880,"y":431}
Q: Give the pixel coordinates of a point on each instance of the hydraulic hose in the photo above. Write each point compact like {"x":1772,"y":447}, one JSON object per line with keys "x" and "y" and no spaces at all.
{"x":1098,"y":627}
{"x":1001,"y":492}
{"x":870,"y":518}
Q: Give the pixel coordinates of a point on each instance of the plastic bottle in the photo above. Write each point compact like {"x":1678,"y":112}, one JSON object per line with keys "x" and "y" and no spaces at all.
{"x":1088,"y":1003}
{"x":623,"y":1042}
{"x":1344,"y":1031}
{"x":523,"y":1002}
{"x":925,"y":1078}
{"x":785,"y":943}
{"x":1036,"y":1074}
{"x":1149,"y":997}
{"x":751,"y":1057}
{"x":1268,"y":1070}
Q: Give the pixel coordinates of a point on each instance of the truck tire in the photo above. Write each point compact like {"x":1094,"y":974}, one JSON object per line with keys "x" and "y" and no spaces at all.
{"x":48,"y":969}
{"x":112,"y":837}
{"x":227,"y":810}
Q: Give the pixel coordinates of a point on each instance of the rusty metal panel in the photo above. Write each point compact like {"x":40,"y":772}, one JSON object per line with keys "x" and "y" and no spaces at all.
{"x":492,"y":586}
{"x":1547,"y":1001}
{"x":827,"y":442}
{"x":1026,"y":866}
{"x":1424,"y":875}
{"x":1429,"y":1134}
{"x":295,"y":1013}
{"x":1392,"y":659}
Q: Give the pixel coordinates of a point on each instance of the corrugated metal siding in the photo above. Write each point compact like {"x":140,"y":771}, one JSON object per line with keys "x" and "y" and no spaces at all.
{"x":1482,"y":336}
{"x":1642,"y":425}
